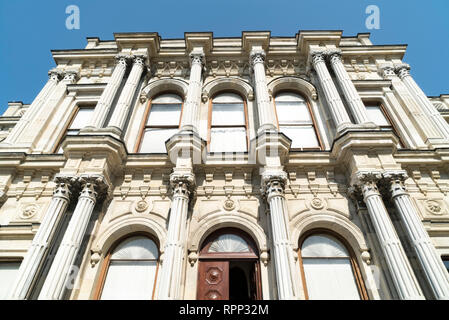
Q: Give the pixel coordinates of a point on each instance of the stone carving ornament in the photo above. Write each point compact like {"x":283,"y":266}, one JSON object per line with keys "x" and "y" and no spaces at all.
{"x":434,"y":207}
{"x":29,"y":211}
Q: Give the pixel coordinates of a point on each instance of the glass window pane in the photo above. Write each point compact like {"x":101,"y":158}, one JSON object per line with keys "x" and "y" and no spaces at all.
{"x":82,"y":118}
{"x":8,"y":274}
{"x":293,"y":112}
{"x":129,"y":280}
{"x":229,"y":243}
{"x":154,"y":140}
{"x":136,"y":248}
{"x":167,"y":98}
{"x":164,"y":115}
{"x":323,"y":246}
{"x":301,"y":136}
{"x":228,"y":98}
{"x":228,"y":140}
{"x":376,"y":115}
{"x":228,"y":114}
{"x":446,"y":263}
{"x":330,"y":279}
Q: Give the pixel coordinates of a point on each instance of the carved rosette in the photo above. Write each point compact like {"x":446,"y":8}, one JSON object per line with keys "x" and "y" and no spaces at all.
{"x":93,"y":187}
{"x":257,"y":56}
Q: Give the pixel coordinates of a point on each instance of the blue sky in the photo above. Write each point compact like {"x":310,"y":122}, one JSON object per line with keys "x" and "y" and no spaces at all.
{"x":30,"y":29}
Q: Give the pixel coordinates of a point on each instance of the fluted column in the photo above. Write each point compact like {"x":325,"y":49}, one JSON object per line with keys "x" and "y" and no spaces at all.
{"x":355,"y":103}
{"x":403,"y":72}
{"x":54,"y":77}
{"x":121,"y":111}
{"x":333,"y":99}
{"x":190,"y":116}
{"x":107,"y":97}
{"x":56,"y":281}
{"x":432,"y":265}
{"x":174,"y":251}
{"x":267,"y":118}
{"x":400,"y":270}
{"x":283,"y":257}
{"x":44,"y":236}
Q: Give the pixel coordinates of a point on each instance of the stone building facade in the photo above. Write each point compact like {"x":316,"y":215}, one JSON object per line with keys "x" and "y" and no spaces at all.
{"x":256,"y":167}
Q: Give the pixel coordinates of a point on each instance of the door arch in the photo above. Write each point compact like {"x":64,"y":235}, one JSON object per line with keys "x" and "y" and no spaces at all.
{"x":229,"y":267}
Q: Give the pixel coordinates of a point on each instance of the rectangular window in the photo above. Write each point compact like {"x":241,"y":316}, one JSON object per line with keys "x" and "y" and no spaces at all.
{"x":8,"y":274}
{"x":377,"y":115}
{"x":79,"y":121}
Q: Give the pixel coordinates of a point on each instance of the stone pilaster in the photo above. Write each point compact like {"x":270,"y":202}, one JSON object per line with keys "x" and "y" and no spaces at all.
{"x":121,"y":111}
{"x":403,"y":71}
{"x":43,"y":238}
{"x":267,"y":118}
{"x":174,"y":251}
{"x":273,"y":185}
{"x":104,"y":104}
{"x":92,"y":187}
{"x":190,"y":115}
{"x":355,"y":103}
{"x":401,"y":272}
{"x":54,"y":77}
{"x":433,"y":267}
{"x":333,"y":99}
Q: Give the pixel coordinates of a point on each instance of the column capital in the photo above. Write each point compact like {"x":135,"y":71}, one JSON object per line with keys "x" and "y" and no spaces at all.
{"x":402,"y":70}
{"x":197,"y":57}
{"x":395,"y":180}
{"x":93,"y":186}
{"x":387,"y":71}
{"x":334,"y":55}
{"x":367,"y":181}
{"x":65,"y":185}
{"x":318,"y":55}
{"x":70,"y":76}
{"x":257,"y":56}
{"x":139,"y":59}
{"x":55,"y":75}
{"x":182,"y":183}
{"x":273,"y":184}
{"x":122,"y":59}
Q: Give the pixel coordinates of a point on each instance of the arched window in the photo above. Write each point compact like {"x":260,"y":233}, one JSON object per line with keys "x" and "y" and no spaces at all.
{"x":228,"y":124}
{"x":129,"y":271}
{"x":161,"y":122}
{"x":329,"y":271}
{"x":295,"y":120}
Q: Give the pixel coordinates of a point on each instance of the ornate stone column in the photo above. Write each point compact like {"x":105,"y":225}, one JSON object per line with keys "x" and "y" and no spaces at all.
{"x":267,"y":118}
{"x":403,"y":71}
{"x":174,"y":251}
{"x":400,"y":270}
{"x":43,"y":238}
{"x":104,"y":104}
{"x":189,"y":121}
{"x":121,"y":111}
{"x":55,"y":284}
{"x":356,"y":104}
{"x":273,"y":188}
{"x":336,"y":106}
{"x":436,"y":273}
{"x":54,"y":77}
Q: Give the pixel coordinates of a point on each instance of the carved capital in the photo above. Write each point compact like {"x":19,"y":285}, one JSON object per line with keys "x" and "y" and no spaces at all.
{"x":139,"y":60}
{"x":64,"y":186}
{"x":70,"y":76}
{"x":367,"y":182}
{"x":122,"y":59}
{"x":387,"y":72}
{"x":402,"y":70}
{"x":334,"y":55}
{"x":183,"y":184}
{"x":55,"y":75}
{"x":317,"y":56}
{"x":396,"y":182}
{"x":94,"y":187}
{"x":197,"y":58}
{"x":257,"y":56}
{"x":273,"y":184}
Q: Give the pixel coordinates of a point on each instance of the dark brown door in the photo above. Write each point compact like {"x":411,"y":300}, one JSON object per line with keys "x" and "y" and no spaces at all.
{"x":213,"y":280}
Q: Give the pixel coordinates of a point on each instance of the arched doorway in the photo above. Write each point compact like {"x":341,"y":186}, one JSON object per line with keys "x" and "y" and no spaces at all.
{"x":229,"y":267}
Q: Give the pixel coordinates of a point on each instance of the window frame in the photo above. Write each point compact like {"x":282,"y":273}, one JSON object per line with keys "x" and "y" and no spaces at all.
{"x":209,"y":120}
{"x":107,"y":261}
{"x":358,"y":278}
{"x":12,"y":260}
{"x":72,"y":119}
{"x":392,"y":126}
{"x":445,"y":258}
{"x":146,"y":115}
{"x":312,"y":116}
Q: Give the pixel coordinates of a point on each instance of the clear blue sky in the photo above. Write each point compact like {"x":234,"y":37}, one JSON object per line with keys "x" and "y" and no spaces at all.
{"x":30,"y":29}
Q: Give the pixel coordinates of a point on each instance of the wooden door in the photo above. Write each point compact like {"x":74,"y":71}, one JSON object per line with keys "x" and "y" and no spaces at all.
{"x":213,"y":280}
